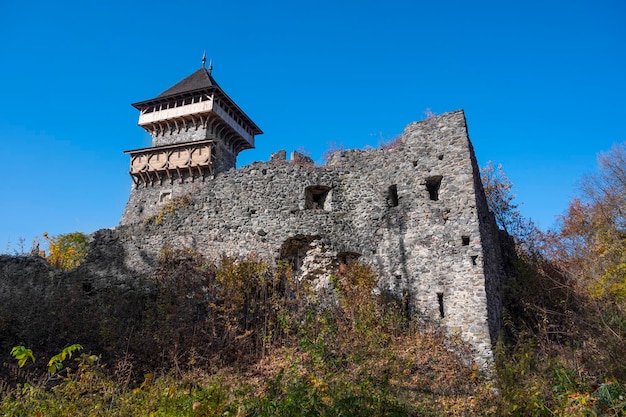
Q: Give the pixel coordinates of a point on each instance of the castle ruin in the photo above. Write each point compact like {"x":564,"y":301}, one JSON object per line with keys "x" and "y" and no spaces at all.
{"x":415,"y":211}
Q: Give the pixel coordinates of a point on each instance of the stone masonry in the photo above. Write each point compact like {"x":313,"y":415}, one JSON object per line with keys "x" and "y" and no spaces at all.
{"x":415,"y":211}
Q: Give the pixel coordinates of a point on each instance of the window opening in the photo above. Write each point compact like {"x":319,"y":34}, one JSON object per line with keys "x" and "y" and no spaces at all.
{"x":440,"y":300}
{"x":432,"y":185}
{"x":392,"y":196}
{"x":294,"y":249}
{"x":346,"y":259}
{"x":465,"y":240}
{"x":474,"y":257}
{"x":87,"y":288}
{"x":165,"y":196}
{"x":318,"y":197}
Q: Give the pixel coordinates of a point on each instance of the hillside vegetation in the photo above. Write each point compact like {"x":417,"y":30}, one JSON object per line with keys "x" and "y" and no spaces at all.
{"x":243,"y":338}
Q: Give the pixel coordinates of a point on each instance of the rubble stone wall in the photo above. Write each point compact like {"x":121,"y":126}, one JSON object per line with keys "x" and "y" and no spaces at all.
{"x":414,"y":211}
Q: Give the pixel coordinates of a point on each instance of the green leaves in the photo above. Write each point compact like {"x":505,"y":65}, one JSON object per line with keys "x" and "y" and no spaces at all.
{"x":21,"y":354}
{"x":55,"y":364}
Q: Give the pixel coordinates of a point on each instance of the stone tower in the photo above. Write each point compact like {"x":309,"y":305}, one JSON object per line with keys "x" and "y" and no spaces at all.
{"x":190,"y":117}
{"x":197,"y":131}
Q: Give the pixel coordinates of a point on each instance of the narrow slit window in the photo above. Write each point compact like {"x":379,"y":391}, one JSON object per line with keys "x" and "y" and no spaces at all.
{"x":392,"y":196}
{"x":440,"y":300}
{"x":474,"y":258}
{"x":432,"y":185}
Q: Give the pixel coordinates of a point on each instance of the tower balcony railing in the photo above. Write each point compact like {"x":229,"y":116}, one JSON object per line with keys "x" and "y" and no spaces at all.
{"x":202,"y":107}
{"x":175,"y":112}
{"x":223,"y":114}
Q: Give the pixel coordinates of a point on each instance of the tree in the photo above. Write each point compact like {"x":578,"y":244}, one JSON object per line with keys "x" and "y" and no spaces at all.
{"x":501,"y":202}
{"x":498,"y":190}
{"x":592,"y":239}
{"x":66,"y":251}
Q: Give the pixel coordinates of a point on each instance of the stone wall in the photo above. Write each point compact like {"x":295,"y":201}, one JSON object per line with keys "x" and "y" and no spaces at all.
{"x":97,"y":304}
{"x":415,"y":212}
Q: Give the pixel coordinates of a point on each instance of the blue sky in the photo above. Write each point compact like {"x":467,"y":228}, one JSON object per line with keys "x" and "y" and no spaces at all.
{"x":542,"y":83}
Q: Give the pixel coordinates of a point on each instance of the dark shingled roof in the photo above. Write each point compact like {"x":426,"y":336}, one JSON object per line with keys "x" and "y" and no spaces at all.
{"x":199,"y":82}
{"x":200,"y":79}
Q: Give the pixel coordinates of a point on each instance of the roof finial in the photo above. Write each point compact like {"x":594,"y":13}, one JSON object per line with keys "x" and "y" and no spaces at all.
{"x":204,"y":58}
{"x":210,"y":66}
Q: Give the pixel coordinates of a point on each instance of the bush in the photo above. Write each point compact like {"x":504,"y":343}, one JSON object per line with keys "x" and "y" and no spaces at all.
{"x":66,"y":251}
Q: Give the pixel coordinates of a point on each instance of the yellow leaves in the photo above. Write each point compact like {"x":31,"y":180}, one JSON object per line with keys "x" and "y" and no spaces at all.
{"x":168,"y":209}
{"x":66,"y":251}
{"x":611,"y":261}
{"x":580,"y":402}
{"x":148,"y":380}
{"x":592,"y":236}
{"x":475,"y":373}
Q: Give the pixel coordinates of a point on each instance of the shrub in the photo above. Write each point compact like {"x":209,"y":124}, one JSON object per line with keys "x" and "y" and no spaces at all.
{"x":66,"y":251}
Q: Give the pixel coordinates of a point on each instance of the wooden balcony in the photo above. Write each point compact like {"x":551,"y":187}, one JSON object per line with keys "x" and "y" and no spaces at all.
{"x":172,"y":162}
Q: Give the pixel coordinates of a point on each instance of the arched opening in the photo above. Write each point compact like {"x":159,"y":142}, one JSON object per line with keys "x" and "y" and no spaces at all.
{"x":294,"y":249}
{"x":432,"y":185}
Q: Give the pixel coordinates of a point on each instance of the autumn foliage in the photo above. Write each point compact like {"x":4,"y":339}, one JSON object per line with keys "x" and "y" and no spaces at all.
{"x":591,"y":243}
{"x":562,"y":346}
{"x":66,"y":251}
{"x":242,"y":337}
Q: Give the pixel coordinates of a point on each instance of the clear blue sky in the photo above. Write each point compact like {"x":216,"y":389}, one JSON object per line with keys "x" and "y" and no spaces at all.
{"x":543,"y":85}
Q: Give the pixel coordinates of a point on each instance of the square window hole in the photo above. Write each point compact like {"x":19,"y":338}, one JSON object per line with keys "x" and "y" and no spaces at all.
{"x":317,"y":197}
{"x":165,"y":196}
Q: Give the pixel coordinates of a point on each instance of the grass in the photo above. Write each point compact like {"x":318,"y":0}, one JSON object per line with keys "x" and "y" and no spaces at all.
{"x":242,"y":338}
